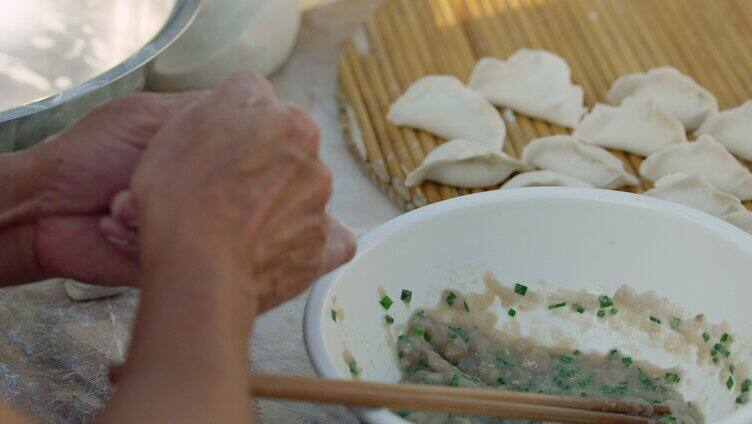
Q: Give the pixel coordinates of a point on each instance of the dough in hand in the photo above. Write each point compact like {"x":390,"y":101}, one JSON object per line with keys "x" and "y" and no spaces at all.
{"x":567,"y":155}
{"x":81,"y":292}
{"x":696,"y":192}
{"x":705,"y":157}
{"x":640,"y":125}
{"x":741,"y":219}
{"x":544,"y":178}
{"x":464,"y":163}
{"x":536,"y":83}
{"x":679,"y":94}
{"x":732,"y":128}
{"x":442,"y":105}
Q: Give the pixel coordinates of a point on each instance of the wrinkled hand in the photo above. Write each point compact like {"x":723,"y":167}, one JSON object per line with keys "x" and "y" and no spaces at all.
{"x":237,"y":174}
{"x":82,"y":168}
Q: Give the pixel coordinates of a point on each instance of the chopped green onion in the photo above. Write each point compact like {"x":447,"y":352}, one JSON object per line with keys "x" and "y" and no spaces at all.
{"x":564,"y":372}
{"x":467,"y":308}
{"x":577,"y":352}
{"x":582,"y":382}
{"x":713,"y":352}
{"x":742,"y":399}
{"x":675,"y":322}
{"x":601,"y":313}
{"x":746,"y":385}
{"x":418,"y":330}
{"x":386,"y":302}
{"x":451,"y":298}
{"x":644,"y":378}
{"x":614,"y":311}
{"x":520,"y":289}
{"x":655,"y":319}
{"x":721,"y":348}
{"x":730,"y":383}
{"x":401,"y":337}
{"x":458,"y":332}
{"x":400,"y":354}
{"x":732,"y":368}
{"x":583,"y":394}
{"x":406,"y":296}
{"x":715,"y":360}
{"x":612,"y":353}
{"x":389,"y":319}
{"x":334,"y":315}
{"x":455,"y":382}
{"x":672,"y":377}
{"x":353,"y":366}
{"x":557,"y":305}
{"x":512,"y":312}
{"x":500,"y":381}
{"x":403,"y":414}
{"x":705,"y":336}
{"x":427,"y":337}
{"x":627,"y":361}
{"x":724,"y":337}
{"x":605,"y":301}
{"x":565,"y":359}
{"x":578,"y":308}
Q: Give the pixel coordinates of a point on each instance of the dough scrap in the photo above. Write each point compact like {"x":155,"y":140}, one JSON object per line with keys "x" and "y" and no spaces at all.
{"x":639,"y":125}
{"x":81,"y":292}
{"x":464,"y":163}
{"x":544,"y":178}
{"x":536,"y":83}
{"x":705,"y":157}
{"x":696,"y":192}
{"x":678,"y":93}
{"x":732,"y":128}
{"x":567,"y":155}
{"x":442,"y":105}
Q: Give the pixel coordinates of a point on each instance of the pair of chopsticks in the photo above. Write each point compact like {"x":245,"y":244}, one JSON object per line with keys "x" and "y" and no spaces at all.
{"x":419,"y":397}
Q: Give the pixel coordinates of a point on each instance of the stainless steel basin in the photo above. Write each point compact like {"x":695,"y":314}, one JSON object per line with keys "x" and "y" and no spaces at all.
{"x":60,"y":58}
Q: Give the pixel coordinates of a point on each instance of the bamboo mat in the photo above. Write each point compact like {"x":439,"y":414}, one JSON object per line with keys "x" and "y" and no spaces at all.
{"x":710,"y":40}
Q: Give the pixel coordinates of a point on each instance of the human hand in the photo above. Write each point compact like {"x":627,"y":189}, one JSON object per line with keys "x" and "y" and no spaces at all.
{"x":79,"y":171}
{"x":237,"y":174}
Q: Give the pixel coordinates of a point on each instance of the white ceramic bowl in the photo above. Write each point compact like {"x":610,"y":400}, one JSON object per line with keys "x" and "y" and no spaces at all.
{"x":553,"y":237}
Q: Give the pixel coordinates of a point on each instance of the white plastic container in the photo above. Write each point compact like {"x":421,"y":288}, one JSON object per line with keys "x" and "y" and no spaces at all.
{"x":228,"y":35}
{"x":546,"y":237}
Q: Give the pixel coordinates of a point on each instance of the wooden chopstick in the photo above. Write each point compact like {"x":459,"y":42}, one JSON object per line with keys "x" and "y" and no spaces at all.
{"x":419,"y":397}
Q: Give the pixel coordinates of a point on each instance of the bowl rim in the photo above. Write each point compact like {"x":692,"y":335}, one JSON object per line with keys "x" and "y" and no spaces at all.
{"x":317,"y":299}
{"x":182,"y":15}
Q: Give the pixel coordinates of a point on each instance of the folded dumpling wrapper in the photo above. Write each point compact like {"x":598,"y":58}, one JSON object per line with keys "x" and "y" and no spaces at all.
{"x":464,"y":163}
{"x":696,"y":192}
{"x":544,"y":178}
{"x":705,"y":157}
{"x":679,"y":94}
{"x":567,"y":155}
{"x":81,"y":292}
{"x":741,"y":219}
{"x":536,"y":83}
{"x":639,"y":125}
{"x":442,"y":105}
{"x":732,"y":128}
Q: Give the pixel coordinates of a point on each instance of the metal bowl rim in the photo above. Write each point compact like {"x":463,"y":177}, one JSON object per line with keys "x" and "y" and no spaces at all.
{"x":183,"y":13}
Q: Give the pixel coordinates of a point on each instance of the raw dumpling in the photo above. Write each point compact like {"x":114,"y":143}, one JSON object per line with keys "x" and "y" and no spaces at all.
{"x":696,"y":192}
{"x":533,"y":82}
{"x":567,"y":155}
{"x":679,"y":94}
{"x":705,"y":157}
{"x":640,"y":125}
{"x":544,"y":178}
{"x":741,"y":219}
{"x":81,"y":292}
{"x":733,"y":129}
{"x":442,"y":105}
{"x":464,"y":163}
